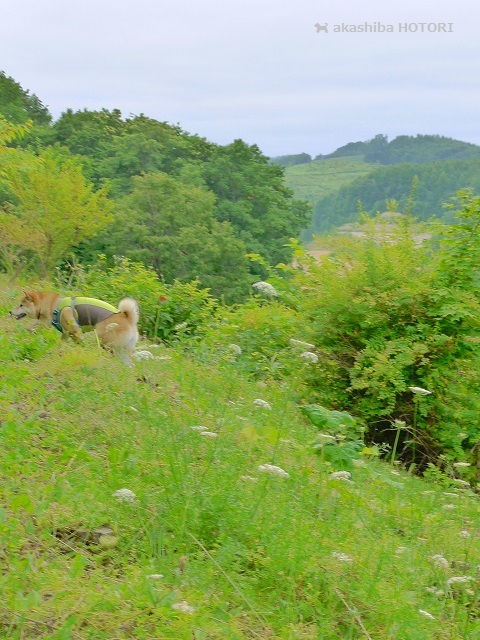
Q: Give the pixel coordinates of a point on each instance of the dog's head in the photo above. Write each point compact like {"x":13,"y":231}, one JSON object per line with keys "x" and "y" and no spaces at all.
{"x":27,"y":307}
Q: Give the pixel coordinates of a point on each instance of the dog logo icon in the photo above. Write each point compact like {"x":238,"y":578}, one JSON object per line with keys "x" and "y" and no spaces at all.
{"x":321,"y":27}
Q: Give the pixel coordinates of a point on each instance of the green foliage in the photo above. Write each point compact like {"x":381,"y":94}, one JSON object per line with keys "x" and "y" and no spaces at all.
{"x":262,"y":330}
{"x":252,"y":197}
{"x":170,"y":226}
{"x":19,"y":106}
{"x":292,"y":160}
{"x":333,"y":422}
{"x":51,"y":206}
{"x":388,"y":314}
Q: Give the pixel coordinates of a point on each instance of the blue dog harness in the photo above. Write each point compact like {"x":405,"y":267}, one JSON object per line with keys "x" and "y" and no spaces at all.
{"x":87,"y":311}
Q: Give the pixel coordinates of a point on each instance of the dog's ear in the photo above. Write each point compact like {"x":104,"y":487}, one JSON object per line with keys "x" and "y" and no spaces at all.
{"x":28,"y":295}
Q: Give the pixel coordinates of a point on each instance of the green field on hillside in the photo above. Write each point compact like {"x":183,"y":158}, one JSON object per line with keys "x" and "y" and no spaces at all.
{"x":314,"y":180}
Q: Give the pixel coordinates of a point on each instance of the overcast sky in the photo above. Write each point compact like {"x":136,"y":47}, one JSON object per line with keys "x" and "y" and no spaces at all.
{"x":254,"y":69}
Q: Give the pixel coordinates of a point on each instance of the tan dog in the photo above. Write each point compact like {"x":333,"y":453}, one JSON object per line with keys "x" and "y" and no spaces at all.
{"x":115,"y":328}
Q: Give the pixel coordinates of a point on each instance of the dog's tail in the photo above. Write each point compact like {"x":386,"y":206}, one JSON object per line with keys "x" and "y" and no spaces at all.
{"x":129,"y":308}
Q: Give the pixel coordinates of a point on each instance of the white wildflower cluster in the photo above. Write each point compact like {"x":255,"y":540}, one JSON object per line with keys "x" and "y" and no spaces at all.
{"x":340,"y":475}
{"x":258,"y":402}
{"x":209,"y":434}
{"x":464,"y":534}
{"x":143,"y":355}
{"x":342,"y":557}
{"x":302,"y":345}
{"x":309,"y":356}
{"x":462,"y":483}
{"x":124,"y":495}
{"x":436,"y":591}
{"x":234,"y":348}
{"x":439,"y":561}
{"x":249,"y":479}
{"x":155,"y":576}
{"x":449,"y":507}
{"x":418,"y":391}
{"x":273,"y":470}
{"x":199,"y":427}
{"x":456,"y":580}
{"x":426,"y":614}
{"x":265,"y":287}
{"x":183,"y":607}
{"x":180,"y":326}
{"x":462,"y":464}
{"x":359,"y":463}
{"x":325,"y":438}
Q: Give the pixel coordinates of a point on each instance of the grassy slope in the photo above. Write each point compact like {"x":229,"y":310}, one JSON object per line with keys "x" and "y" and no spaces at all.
{"x":254,"y":554}
{"x":319,"y":178}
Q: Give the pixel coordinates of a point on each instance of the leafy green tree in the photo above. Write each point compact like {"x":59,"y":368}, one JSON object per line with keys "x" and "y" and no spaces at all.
{"x":252,"y":196}
{"x":18,"y":106}
{"x":170,"y":226}
{"x":52,"y":208}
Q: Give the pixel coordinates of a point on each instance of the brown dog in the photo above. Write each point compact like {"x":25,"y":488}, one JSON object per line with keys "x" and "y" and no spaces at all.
{"x":115,"y":328}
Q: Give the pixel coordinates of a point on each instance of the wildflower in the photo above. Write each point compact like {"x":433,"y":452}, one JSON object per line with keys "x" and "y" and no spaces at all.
{"x":235,"y":349}
{"x":325,"y":438}
{"x":439,"y":561}
{"x":199,"y":427}
{"x":209,"y":434}
{"x":462,"y":464}
{"x":341,"y":556}
{"x":464,"y":483}
{"x":464,"y":534}
{"x":299,"y":343}
{"x":400,"y":550}
{"x":426,"y":614}
{"x":340,"y":475}
{"x":124,"y":495}
{"x":155,"y":576}
{"x":309,"y":356}
{"x":449,"y":506}
{"x":273,"y":470}
{"x":358,"y":463}
{"x":180,"y":326}
{"x":261,"y":403}
{"x":418,"y":391}
{"x":184,"y":607}
{"x":450,"y":494}
{"x":143,"y":355}
{"x":435,"y":591}
{"x":264,"y":287}
{"x":459,"y":580}
{"x":249,"y":479}
{"x":399,"y":424}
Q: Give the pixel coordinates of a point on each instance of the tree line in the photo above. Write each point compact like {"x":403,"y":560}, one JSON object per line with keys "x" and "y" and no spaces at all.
{"x":93,"y":182}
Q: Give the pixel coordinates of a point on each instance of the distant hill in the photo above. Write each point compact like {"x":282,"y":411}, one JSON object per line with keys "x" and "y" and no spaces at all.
{"x":437,"y":183}
{"x":377,"y":170}
{"x":417,"y":149}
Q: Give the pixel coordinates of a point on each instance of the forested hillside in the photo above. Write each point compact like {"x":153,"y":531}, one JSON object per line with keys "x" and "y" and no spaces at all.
{"x":423,"y":171}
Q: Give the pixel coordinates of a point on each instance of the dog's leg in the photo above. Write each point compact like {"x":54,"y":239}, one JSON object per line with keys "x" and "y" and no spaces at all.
{"x":70,"y":326}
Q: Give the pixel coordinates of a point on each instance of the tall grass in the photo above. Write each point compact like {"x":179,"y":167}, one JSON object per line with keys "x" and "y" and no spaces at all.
{"x":207,"y":543}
